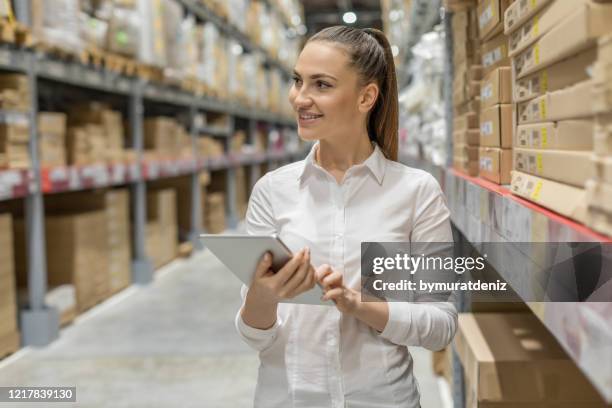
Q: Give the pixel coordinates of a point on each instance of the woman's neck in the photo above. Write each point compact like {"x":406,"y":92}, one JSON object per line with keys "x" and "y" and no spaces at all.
{"x":337,"y":158}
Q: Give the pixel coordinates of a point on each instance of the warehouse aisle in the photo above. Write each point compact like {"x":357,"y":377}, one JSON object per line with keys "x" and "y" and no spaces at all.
{"x":168,"y":344}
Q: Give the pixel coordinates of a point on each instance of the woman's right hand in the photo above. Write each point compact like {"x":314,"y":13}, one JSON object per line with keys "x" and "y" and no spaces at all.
{"x":294,"y":278}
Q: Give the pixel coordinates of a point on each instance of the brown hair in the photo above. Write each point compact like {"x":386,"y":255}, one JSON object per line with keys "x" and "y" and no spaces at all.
{"x":371,"y":55}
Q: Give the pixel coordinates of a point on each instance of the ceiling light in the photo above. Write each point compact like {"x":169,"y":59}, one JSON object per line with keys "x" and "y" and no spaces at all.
{"x":349,"y":17}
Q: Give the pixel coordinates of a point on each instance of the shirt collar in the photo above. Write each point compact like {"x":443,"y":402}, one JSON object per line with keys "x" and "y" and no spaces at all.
{"x":376,"y":163}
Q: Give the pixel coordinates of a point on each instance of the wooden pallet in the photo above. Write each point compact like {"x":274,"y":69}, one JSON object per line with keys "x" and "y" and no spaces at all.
{"x":149,"y":73}
{"x":13,"y":32}
{"x":9,"y":343}
{"x":58,"y":52}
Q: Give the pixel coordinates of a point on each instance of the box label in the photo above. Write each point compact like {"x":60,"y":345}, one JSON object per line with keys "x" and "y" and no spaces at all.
{"x":544,"y":133}
{"x":486,"y":16}
{"x":544,"y":81}
{"x":487,"y":128}
{"x":536,"y":191}
{"x":486,"y":164}
{"x":543,"y":109}
{"x":486,"y":92}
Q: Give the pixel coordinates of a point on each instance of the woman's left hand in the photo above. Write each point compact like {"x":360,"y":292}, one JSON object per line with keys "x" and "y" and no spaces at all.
{"x":346,"y":299}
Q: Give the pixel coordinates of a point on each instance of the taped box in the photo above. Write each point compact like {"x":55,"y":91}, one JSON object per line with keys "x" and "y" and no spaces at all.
{"x":576,"y":33}
{"x":569,"y":103}
{"x":491,"y":17}
{"x":562,"y":198}
{"x":562,"y":135}
{"x":602,"y":168}
{"x":541,"y":23}
{"x":495,"y":164}
{"x":519,"y":11}
{"x":496,"y":126}
{"x":496,"y":88}
{"x":557,"y":76}
{"x":565,"y":166}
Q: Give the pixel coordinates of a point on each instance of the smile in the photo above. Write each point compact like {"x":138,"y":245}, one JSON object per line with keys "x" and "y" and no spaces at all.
{"x":309,"y":116}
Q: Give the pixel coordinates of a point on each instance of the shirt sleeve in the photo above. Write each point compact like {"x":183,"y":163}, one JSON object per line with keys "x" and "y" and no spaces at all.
{"x":433,"y":324}
{"x":259,"y":221}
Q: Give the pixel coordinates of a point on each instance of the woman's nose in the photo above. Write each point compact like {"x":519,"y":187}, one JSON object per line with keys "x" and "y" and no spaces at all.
{"x":302,"y":99}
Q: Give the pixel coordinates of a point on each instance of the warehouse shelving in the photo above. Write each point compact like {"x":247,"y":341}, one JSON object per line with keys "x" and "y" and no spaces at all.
{"x":39,"y":324}
{"x":484,"y":212}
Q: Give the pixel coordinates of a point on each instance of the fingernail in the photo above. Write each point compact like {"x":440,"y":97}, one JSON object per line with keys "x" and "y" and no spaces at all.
{"x":267,"y":257}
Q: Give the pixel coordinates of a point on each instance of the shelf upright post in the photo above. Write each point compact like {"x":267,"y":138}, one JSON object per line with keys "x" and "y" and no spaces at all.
{"x":196,"y":190}
{"x":142,"y":268}
{"x":254,"y":169}
{"x":447,"y":17}
{"x":39,"y":323}
{"x":230,"y":180}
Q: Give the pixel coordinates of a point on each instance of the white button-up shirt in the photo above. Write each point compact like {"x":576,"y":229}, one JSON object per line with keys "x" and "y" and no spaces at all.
{"x":314,"y":356}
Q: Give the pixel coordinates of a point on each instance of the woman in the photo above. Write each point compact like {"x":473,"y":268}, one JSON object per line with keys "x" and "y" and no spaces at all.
{"x":349,"y":189}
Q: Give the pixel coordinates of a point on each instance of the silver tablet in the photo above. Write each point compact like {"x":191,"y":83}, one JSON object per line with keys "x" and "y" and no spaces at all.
{"x":241,"y":254}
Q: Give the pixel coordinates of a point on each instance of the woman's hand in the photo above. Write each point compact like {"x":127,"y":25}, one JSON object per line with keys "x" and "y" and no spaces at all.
{"x":346,"y":299}
{"x":294,"y":278}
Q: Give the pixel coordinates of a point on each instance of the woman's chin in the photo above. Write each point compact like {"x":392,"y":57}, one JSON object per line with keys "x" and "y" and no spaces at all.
{"x":307,"y":135}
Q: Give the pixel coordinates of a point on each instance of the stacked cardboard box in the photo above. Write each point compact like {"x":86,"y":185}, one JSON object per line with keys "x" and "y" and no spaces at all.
{"x":14,"y":92}
{"x":162,"y":226}
{"x":165,"y":137}
{"x":52,"y":139}
{"x":553,"y":46}
{"x":599,"y":187}
{"x":466,"y":87}
{"x":14,"y":137}
{"x":214,"y":212}
{"x":495,"y":154}
{"x":209,"y":147}
{"x":110,"y":122}
{"x":512,"y":360}
{"x":85,"y":144}
{"x":118,"y":230}
{"x":9,"y":334}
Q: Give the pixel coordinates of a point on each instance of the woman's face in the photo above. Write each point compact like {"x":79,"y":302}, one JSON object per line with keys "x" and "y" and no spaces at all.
{"x":325,"y":93}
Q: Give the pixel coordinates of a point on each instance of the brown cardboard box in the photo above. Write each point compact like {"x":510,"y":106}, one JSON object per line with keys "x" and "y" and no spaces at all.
{"x":119,"y":242}
{"x":466,"y":165}
{"x":8,"y":298}
{"x":557,"y":76}
{"x":568,"y":103}
{"x":465,"y":151}
{"x":599,"y":202}
{"x":495,"y":54}
{"x":52,"y":138}
{"x":576,"y":33}
{"x":520,"y":11}
{"x":496,"y":88}
{"x":495,"y":164}
{"x":602,"y":168}
{"x":541,"y":23}
{"x":161,"y":209}
{"x":214,"y":218}
{"x":565,"y":166}
{"x":565,"y":199}
{"x":602,"y":139}
{"x":465,"y":122}
{"x":491,"y":17}
{"x":470,"y":137}
{"x":511,"y":358}
{"x":496,"y":126}
{"x":562,"y":135}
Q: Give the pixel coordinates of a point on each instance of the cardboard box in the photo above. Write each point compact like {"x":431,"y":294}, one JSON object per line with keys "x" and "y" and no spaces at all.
{"x":601,"y":168}
{"x":563,"y":135}
{"x":8,"y":298}
{"x":496,"y":88}
{"x":161,"y":210}
{"x":465,"y":151}
{"x":52,"y":138}
{"x":520,"y":11}
{"x":557,"y":76}
{"x":576,"y":33}
{"x":491,"y":17}
{"x":495,"y":164}
{"x":565,"y":166}
{"x":495,"y":54}
{"x":496,"y":126}
{"x":463,"y":164}
{"x":214,"y":217}
{"x":470,"y":137}
{"x":599,"y":202}
{"x":119,"y":241}
{"x":465,"y":122}
{"x":569,"y":103}
{"x":541,"y":23}
{"x":602,"y":139}
{"x":562,"y":198}
{"x":512,"y":359}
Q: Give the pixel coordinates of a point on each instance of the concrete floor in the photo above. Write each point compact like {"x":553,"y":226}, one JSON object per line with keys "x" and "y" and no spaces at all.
{"x":169,"y":344}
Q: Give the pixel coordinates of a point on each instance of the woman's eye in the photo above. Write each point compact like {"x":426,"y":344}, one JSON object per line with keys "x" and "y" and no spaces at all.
{"x":296,"y":80}
{"x":323,"y":85}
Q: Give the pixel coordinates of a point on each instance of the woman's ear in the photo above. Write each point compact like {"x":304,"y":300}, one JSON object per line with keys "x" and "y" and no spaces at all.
{"x":368,"y":97}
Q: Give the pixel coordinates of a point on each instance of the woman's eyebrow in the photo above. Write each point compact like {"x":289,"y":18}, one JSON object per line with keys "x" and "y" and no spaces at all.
{"x":316,"y":76}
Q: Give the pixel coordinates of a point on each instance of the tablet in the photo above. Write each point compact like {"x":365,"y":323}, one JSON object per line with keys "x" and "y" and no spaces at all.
{"x":241,"y":254}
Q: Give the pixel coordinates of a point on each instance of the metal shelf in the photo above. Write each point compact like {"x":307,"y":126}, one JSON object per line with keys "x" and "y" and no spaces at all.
{"x":485,"y":212}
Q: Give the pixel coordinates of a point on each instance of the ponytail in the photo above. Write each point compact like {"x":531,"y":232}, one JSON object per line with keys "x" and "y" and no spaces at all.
{"x":371,"y":55}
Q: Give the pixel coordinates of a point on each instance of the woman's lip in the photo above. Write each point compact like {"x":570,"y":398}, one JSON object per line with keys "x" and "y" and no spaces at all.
{"x":309,"y":121}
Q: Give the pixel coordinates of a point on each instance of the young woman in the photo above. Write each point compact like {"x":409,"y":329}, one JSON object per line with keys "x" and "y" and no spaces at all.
{"x":349,"y":189}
